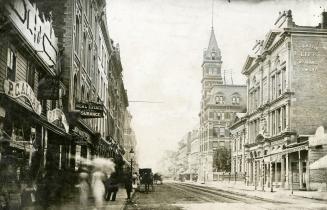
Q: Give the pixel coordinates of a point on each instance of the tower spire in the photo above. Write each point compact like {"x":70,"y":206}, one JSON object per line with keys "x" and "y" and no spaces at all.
{"x":212,"y":14}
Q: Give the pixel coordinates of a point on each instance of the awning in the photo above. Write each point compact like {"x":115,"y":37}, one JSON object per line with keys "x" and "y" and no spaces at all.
{"x":320,"y":163}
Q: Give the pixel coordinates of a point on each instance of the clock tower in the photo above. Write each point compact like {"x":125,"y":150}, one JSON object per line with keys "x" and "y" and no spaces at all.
{"x":211,"y":66}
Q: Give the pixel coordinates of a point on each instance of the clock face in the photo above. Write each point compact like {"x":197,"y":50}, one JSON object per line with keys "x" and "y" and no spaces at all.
{"x":213,"y":54}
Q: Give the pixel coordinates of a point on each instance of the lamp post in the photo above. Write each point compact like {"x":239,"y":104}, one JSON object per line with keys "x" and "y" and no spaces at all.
{"x":131,"y":155}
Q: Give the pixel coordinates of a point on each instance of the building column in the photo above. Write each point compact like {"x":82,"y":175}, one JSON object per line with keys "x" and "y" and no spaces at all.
{"x":254,"y":173}
{"x":270,"y":176}
{"x":276,"y":171}
{"x":249,"y":172}
{"x":300,"y":170}
{"x":287,"y":167}
{"x":282,"y":172}
{"x":263,"y":174}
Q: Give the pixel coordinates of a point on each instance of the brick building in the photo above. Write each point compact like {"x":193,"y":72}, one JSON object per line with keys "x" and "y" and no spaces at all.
{"x":62,"y":97}
{"x":220,"y":101}
{"x":34,"y":132}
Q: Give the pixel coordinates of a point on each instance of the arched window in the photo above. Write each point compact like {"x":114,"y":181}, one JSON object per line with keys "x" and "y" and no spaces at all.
{"x":236,"y":99}
{"x":75,"y":90}
{"x":219,"y":99}
{"x":77,"y":33}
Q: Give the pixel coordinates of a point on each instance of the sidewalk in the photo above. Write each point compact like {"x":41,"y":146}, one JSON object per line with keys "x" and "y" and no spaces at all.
{"x":278,"y":194}
{"x":72,"y":203}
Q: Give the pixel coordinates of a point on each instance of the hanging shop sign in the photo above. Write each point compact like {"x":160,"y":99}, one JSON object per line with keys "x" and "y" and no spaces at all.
{"x":48,"y":88}
{"x":22,"y":89}
{"x":57,"y":117}
{"x":80,"y":137}
{"x":37,"y":31}
{"x":90,"y":109}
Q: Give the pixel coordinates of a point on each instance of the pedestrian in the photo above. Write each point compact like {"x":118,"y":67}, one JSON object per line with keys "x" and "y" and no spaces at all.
{"x":128,"y":185}
{"x":98,"y":188}
{"x":135,"y":180}
{"x":111,"y":185}
{"x":83,"y":189}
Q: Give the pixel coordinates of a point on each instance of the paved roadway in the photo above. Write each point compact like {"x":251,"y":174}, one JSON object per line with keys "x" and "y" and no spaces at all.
{"x":178,"y":196}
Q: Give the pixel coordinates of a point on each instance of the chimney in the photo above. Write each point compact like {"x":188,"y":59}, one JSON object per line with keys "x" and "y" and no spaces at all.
{"x":324,"y":19}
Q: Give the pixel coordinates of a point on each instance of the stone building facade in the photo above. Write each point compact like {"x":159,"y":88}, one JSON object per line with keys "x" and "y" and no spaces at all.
{"x":238,"y":131}
{"x":220,"y":101}
{"x":286,"y":103}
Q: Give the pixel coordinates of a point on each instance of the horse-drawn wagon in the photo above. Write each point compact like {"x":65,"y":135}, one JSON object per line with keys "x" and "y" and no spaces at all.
{"x":146,"y":179}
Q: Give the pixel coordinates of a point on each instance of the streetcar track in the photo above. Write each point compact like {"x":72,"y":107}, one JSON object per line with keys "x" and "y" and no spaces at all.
{"x":233,"y":195}
{"x":191,"y":194}
{"x":222,"y":196}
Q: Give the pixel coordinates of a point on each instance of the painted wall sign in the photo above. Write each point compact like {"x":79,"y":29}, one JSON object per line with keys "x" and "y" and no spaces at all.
{"x":22,"y":89}
{"x":37,"y":32}
{"x":307,"y":54}
{"x":57,"y":117}
{"x":90,"y":109}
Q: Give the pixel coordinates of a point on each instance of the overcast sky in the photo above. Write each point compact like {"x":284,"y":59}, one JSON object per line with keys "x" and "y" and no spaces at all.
{"x":162,"y":44}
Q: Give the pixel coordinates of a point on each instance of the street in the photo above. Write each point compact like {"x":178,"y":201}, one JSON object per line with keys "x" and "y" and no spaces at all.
{"x":188,"y":196}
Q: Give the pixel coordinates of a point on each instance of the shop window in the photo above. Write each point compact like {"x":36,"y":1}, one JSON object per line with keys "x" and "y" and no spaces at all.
{"x":11,"y":64}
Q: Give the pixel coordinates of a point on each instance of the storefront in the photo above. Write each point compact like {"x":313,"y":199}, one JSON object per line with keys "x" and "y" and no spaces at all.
{"x":278,"y":165}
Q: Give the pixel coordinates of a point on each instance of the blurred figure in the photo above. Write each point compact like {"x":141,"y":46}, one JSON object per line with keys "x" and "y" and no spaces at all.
{"x":128,"y":185}
{"x":135,"y":179}
{"x":98,"y":188}
{"x":111,"y":185}
{"x":83,"y":189}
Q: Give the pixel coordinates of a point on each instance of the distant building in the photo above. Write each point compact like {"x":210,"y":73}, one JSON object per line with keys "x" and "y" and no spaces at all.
{"x":238,"y":139}
{"x":220,"y":101}
{"x":194,"y":156}
{"x":286,"y":77}
{"x":129,"y":143}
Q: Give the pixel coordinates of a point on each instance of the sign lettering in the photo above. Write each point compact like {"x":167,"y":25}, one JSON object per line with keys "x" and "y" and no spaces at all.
{"x":90,"y":109}
{"x":38,"y":32}
{"x":307,"y":54}
{"x":22,"y":89}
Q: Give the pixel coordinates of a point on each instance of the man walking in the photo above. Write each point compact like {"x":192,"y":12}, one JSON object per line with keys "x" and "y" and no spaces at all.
{"x":111,"y":185}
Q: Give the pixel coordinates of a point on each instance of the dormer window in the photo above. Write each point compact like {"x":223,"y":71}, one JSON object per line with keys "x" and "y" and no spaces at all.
{"x":219,"y":99}
{"x":235,"y":100}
